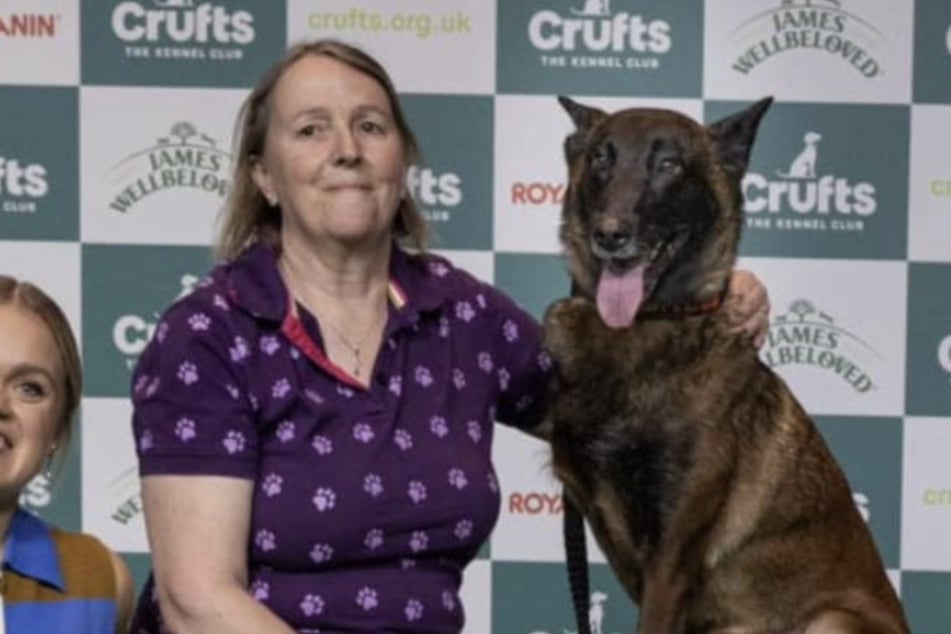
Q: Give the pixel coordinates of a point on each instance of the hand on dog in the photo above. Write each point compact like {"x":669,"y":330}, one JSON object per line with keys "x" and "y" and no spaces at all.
{"x":747,"y":305}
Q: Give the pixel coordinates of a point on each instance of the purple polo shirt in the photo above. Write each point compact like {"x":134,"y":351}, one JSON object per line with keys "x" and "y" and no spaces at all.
{"x":367,"y":503}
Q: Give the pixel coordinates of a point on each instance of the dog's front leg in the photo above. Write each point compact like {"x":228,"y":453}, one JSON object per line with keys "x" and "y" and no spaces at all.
{"x":673,"y":572}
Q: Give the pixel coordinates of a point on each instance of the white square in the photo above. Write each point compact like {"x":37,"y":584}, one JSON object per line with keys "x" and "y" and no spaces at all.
{"x":476,"y":597}
{"x":926,"y":495}
{"x":155,"y":163}
{"x":52,"y":266}
{"x":837,"y":332}
{"x":929,"y":187}
{"x":112,"y":499}
{"x":840,"y":51}
{"x":426,"y":47}
{"x":480,"y":264}
{"x":39,"y":42}
{"x":530,"y":170}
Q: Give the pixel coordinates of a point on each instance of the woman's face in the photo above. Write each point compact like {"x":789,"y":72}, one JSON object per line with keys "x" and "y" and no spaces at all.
{"x":31,"y":398}
{"x":334,"y":159}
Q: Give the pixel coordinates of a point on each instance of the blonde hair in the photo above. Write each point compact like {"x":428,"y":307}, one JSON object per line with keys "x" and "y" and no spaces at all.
{"x":247,"y":217}
{"x":30,"y":298}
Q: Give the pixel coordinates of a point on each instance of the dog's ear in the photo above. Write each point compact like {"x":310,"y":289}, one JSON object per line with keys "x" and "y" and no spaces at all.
{"x":733,"y":136}
{"x":584,"y":118}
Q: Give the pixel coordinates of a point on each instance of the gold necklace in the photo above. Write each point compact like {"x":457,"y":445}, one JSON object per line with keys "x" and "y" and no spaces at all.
{"x":357,"y":348}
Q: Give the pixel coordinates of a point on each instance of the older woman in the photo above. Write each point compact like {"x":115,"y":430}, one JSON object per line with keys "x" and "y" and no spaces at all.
{"x":314,"y":423}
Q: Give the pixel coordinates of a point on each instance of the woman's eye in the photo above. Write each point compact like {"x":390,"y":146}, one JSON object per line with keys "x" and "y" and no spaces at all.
{"x":307,"y":130}
{"x":371,"y":127}
{"x":32,"y":390}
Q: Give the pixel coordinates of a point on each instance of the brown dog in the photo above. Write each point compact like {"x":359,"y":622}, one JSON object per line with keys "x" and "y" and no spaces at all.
{"x":713,"y":495}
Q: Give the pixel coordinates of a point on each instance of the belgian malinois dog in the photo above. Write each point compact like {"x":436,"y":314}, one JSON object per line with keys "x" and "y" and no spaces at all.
{"x":711,"y":492}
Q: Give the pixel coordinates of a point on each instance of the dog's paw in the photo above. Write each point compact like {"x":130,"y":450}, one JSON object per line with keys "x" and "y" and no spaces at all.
{"x":565,"y":324}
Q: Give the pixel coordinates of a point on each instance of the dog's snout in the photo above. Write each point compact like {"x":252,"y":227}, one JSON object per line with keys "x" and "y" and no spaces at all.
{"x":612,"y":239}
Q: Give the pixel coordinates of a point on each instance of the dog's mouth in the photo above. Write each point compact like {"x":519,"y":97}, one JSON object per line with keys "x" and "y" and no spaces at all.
{"x":625,"y":282}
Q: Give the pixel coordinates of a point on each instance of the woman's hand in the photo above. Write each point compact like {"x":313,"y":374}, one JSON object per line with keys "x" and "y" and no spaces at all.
{"x":747,"y":306}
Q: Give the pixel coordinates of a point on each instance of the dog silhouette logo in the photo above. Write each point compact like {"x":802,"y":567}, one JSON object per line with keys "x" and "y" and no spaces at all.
{"x":594,"y":9}
{"x":173,"y":4}
{"x":595,"y":616}
{"x":804,"y":165}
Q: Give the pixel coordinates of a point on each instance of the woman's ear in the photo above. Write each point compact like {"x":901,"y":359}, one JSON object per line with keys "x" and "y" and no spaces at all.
{"x":262,"y":178}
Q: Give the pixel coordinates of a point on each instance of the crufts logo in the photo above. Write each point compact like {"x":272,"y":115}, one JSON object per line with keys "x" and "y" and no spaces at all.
{"x":819,"y":201}
{"x":816,"y":25}
{"x":132,"y":333}
{"x":590,"y":36}
{"x":21,"y":185}
{"x":438,"y":194}
{"x":595,"y":615}
{"x":944,"y":355}
{"x":807,"y":336}
{"x":184,"y":158}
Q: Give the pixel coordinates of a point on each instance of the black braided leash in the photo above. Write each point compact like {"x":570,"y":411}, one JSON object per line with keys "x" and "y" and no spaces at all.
{"x":576,"y":558}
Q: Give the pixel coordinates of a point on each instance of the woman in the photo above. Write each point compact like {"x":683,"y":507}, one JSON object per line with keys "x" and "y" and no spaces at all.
{"x":314,"y":423}
{"x":52,"y":581}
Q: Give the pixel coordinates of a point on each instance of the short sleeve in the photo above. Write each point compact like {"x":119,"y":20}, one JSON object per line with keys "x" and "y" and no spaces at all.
{"x":524,"y":370}
{"x":192,"y":412}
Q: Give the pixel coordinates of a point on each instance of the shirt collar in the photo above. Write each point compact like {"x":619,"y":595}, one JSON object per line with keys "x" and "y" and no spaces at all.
{"x":255,"y":284}
{"x":30,"y":550}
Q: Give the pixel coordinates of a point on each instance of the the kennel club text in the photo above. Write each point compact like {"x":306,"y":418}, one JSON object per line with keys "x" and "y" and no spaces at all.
{"x":596,"y":39}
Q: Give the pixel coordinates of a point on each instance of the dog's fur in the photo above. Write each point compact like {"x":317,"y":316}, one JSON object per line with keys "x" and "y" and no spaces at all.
{"x":713,"y":495}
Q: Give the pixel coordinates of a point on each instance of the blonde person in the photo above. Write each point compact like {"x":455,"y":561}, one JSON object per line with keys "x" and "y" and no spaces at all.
{"x":52,"y":581}
{"x":314,"y":422}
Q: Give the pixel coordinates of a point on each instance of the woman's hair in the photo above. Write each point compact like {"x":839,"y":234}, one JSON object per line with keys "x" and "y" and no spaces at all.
{"x":30,"y":298}
{"x":247,"y":217}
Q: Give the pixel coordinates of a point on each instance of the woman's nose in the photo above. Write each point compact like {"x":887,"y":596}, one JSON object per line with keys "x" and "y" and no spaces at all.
{"x":348,"y":151}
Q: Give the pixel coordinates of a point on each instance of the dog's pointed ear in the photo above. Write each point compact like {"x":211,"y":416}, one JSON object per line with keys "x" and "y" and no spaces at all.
{"x":733,"y":136}
{"x":584,"y":118}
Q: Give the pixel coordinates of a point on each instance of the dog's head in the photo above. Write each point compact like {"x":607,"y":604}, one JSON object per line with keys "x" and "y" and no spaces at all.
{"x":811,"y":138}
{"x":652,"y":212}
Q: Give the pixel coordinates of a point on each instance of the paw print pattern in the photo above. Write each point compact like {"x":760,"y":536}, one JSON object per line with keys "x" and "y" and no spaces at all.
{"x":199,"y":322}
{"x":444,"y":329}
{"x":438,"y":426}
{"x":373,"y":539}
{"x":234,"y":442}
{"x":146,"y":441}
{"x":260,"y":590}
{"x":458,"y":379}
{"x":510,"y":331}
{"x":185,"y":429}
{"x":362,"y":432}
{"x":463,"y":530}
{"x":367,"y":598}
{"x":439,"y":269}
{"x":285,"y":431}
{"x":474,"y":430}
{"x":188,"y":373}
{"x":423,"y":376}
{"x":161,"y":332}
{"x":269,"y":345}
{"x":272,"y":484}
{"x":480,"y":300}
{"x":264,"y":539}
{"x":416,"y":491}
{"x":280,"y":388}
{"x":493,"y":483}
{"x":485,"y":362}
{"x":457,"y":478}
{"x":322,"y":445}
{"x":321,"y":553}
{"x":314,"y":397}
{"x":239,"y":351}
{"x":221,"y":303}
{"x":419,"y":541}
{"x":544,"y":361}
{"x":312,"y":605}
{"x":504,"y":378}
{"x":403,"y":439}
{"x":233,"y":392}
{"x":413,"y":610}
{"x":373,"y":484}
{"x":396,"y":385}
{"x":448,"y":601}
{"x":324,"y":499}
{"x":464,"y":311}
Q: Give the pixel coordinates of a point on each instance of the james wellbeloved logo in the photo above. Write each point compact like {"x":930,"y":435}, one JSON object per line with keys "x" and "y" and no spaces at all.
{"x":125,"y":496}
{"x":822,"y":26}
{"x":591,"y":35}
{"x":804,"y":195}
{"x":180,"y":42}
{"x":29,"y":25}
{"x":602,"y":47}
{"x":185,"y":157}
{"x":808,"y":336}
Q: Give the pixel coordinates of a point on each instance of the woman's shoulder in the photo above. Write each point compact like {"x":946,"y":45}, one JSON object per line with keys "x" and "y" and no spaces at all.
{"x":85,"y":562}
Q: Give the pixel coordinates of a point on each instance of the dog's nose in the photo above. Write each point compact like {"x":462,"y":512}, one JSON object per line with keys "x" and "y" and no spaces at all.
{"x":612,"y":240}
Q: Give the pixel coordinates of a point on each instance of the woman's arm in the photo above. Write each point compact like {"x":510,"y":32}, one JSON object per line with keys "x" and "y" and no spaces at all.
{"x":198,"y":528}
{"x":747,"y":303}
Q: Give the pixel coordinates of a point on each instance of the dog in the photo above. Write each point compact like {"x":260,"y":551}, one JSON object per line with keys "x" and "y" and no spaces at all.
{"x":712,"y":494}
{"x":804,"y":165}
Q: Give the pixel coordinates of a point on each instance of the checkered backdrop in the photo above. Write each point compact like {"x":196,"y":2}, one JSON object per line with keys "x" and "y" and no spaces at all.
{"x":115,"y":137}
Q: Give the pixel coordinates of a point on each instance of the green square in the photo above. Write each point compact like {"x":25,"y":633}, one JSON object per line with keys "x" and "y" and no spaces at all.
{"x":925,"y":597}
{"x":932,"y":54}
{"x":928,"y":360}
{"x":535,"y":281}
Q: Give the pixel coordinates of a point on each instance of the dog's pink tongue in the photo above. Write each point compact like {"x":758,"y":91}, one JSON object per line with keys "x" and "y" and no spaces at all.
{"x":619,"y":295}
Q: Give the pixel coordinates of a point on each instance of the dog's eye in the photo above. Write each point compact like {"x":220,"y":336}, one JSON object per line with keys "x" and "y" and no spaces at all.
{"x":600,"y":157}
{"x":670,"y":165}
